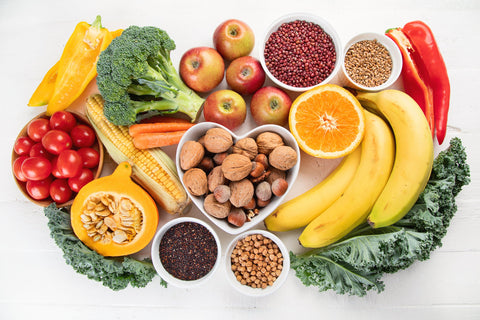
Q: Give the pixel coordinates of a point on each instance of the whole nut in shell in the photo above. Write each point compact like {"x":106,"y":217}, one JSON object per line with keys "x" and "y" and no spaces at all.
{"x":241,"y":192}
{"x":247,"y":147}
{"x":237,"y":217}
{"x":279,"y":187}
{"x":215,"y":178}
{"x":222,"y":193}
{"x":191,"y":154}
{"x":267,"y":141}
{"x":215,"y":208}
{"x":195,"y":180}
{"x":218,"y":140}
{"x":235,"y":167}
{"x":263,"y":191}
{"x":283,"y":157}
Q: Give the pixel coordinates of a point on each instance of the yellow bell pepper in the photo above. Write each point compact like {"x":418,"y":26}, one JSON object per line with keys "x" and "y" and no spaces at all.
{"x":69,"y":77}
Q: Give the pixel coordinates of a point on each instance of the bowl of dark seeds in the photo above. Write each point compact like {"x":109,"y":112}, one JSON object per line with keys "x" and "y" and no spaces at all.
{"x":186,"y":252}
{"x":301,"y":51}
{"x":371,"y":62}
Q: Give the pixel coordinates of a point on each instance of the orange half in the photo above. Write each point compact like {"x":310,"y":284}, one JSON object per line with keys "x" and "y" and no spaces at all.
{"x":327,"y":121}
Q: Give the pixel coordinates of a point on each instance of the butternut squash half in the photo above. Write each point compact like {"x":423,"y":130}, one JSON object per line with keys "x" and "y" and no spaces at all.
{"x":113,"y":215}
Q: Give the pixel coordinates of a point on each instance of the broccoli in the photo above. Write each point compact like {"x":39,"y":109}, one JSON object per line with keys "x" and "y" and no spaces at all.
{"x":137,"y":79}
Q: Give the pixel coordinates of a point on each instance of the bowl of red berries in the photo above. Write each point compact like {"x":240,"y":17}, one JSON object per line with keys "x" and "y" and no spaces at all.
{"x":54,"y":156}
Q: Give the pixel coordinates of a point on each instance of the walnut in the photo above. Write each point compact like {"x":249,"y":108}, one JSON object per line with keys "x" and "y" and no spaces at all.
{"x":218,"y":140}
{"x":215,"y":208}
{"x":195,"y":181}
{"x":283,"y":157}
{"x":215,"y":178}
{"x":235,"y":167}
{"x":241,"y":192}
{"x":267,"y":141}
{"x":247,"y":147}
{"x":191,"y":154}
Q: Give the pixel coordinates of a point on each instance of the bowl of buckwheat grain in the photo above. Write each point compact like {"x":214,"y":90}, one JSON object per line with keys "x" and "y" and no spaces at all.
{"x":371,"y":62}
{"x":301,"y":51}
{"x":257,"y":263}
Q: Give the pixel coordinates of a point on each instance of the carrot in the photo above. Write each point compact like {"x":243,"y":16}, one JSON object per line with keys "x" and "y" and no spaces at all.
{"x":157,"y":139}
{"x":164,"y":119}
{"x":158,"y":127}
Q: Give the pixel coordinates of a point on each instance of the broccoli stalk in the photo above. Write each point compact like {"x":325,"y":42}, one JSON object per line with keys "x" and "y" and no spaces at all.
{"x":137,"y":79}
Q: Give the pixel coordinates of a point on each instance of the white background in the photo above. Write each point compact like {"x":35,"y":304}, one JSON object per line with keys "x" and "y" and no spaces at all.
{"x":36,"y":282}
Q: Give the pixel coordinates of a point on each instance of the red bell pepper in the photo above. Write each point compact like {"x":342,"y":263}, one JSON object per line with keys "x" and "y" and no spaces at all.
{"x":425,"y":45}
{"x":413,"y":82}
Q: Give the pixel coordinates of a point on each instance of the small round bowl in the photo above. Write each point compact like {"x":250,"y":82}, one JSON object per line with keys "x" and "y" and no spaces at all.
{"x":245,"y":289}
{"x":395,"y":54}
{"x":157,"y":263}
{"x":309,"y":18}
{"x":198,"y":130}
{"x":81,"y":119}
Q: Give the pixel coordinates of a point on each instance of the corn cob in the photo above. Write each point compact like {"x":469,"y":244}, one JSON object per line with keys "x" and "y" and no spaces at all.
{"x":153,"y":169}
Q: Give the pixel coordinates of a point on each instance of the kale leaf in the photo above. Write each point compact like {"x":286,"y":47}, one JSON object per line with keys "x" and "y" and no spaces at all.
{"x":114,"y":273}
{"x":356,"y":264}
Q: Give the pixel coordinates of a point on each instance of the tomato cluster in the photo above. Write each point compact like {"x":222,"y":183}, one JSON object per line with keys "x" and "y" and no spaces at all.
{"x":56,"y":157}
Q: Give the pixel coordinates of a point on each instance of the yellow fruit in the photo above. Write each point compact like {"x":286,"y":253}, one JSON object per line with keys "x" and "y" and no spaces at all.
{"x":327,"y":121}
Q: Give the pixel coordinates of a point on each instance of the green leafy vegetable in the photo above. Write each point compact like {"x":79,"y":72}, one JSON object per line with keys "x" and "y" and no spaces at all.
{"x":115,"y":273}
{"x":137,"y":79}
{"x":357,"y":263}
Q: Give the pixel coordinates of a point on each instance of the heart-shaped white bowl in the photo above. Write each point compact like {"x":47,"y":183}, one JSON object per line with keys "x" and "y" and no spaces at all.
{"x":198,"y":130}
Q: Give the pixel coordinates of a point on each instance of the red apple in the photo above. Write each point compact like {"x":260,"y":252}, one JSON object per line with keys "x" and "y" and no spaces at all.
{"x":202,"y":68}
{"x":225,"y":107}
{"x":233,"y":38}
{"x":245,"y":75}
{"x":270,"y":105}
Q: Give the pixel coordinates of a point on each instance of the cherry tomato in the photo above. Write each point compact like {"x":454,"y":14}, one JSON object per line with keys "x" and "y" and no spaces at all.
{"x":38,"y":150}
{"x":55,"y":171}
{"x":40,"y":189}
{"x":36,"y":168}
{"x":82,"y":136}
{"x":37,"y":128}
{"x":17,"y":168}
{"x":55,"y":141}
{"x":90,"y":157}
{"x":60,"y":192}
{"x":69,"y":163}
{"x":76,"y":183}
{"x":63,"y":120}
{"x":23,"y":145}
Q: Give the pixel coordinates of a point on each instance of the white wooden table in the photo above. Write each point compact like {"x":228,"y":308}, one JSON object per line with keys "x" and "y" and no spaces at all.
{"x":36,"y":282}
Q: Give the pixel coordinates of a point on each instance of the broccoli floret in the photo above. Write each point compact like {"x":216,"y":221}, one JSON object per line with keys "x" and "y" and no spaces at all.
{"x":137,"y":79}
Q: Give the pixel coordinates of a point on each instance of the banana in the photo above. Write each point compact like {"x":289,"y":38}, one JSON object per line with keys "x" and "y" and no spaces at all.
{"x":413,"y":159}
{"x":353,"y":207}
{"x":301,"y":210}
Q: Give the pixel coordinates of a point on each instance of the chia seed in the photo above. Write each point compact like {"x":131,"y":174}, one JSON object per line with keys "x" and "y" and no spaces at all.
{"x":188,"y":251}
{"x":300,"y":54}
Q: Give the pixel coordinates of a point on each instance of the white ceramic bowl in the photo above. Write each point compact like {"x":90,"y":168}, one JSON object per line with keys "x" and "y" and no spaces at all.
{"x":198,"y":130}
{"x":395,"y":54}
{"x":164,"y":274}
{"x":310,"y":18}
{"x":247,"y":290}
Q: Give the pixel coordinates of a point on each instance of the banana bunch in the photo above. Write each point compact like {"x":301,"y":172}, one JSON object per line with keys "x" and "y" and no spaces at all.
{"x":379,"y":182}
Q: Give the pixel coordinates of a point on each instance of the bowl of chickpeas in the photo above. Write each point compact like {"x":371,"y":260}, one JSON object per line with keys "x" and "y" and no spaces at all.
{"x":257,"y":263}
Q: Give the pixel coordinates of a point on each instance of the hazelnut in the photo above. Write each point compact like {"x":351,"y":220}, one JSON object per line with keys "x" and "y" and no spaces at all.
{"x":263,"y":191}
{"x":275,"y":174}
{"x":191,"y":154}
{"x":218,"y":140}
{"x":215,"y":178}
{"x":222,"y":193}
{"x":195,"y":181}
{"x":206,"y":164}
{"x":263,"y":159}
{"x":219,"y":157}
{"x":257,"y":169}
{"x":262,"y":203}
{"x":247,"y":147}
{"x":251,"y":204}
{"x":237,"y":217}
{"x":215,"y":208}
{"x":283,"y":157}
{"x":241,"y":192}
{"x":235,"y":167}
{"x":267,"y":141}
{"x":279,"y":187}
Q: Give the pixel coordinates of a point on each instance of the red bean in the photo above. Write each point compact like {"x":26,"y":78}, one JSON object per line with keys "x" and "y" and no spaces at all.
{"x":300,"y":54}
